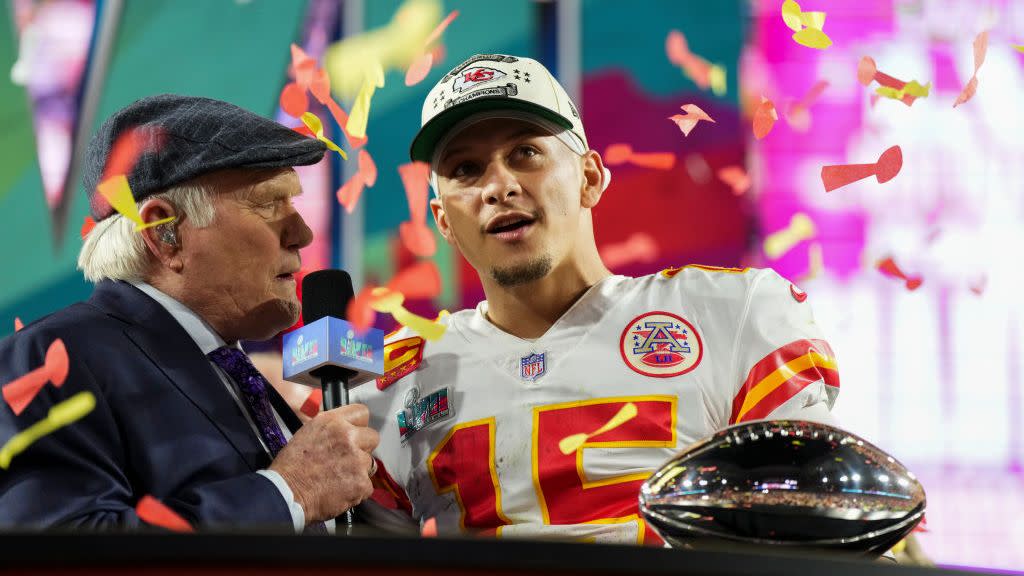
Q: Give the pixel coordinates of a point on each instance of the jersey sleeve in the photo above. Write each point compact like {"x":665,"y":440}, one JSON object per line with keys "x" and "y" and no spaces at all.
{"x":782,"y":365}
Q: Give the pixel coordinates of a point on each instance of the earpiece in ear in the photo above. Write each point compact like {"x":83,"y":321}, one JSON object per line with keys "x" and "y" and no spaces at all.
{"x":168,"y":235}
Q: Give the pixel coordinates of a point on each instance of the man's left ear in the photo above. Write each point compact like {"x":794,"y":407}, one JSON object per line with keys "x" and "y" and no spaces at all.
{"x":594,"y":175}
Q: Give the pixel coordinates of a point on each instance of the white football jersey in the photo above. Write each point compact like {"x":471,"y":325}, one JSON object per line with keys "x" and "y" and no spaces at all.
{"x":489,"y":433}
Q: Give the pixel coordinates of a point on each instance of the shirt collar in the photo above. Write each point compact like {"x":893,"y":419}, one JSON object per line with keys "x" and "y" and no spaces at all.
{"x":202,"y":333}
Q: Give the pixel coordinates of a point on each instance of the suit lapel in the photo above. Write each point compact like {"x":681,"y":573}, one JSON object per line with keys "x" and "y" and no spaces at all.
{"x":284,"y":411}
{"x":169,"y":347}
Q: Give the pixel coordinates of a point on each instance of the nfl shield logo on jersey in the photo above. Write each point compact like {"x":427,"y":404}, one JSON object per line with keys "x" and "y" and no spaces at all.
{"x":532,"y":367}
{"x":661,"y":345}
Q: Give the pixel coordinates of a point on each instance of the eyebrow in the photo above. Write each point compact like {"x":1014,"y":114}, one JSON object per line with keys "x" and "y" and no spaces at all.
{"x":525,"y":131}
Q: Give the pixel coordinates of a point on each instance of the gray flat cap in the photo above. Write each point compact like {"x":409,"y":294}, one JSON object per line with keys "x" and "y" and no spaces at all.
{"x":191,"y":136}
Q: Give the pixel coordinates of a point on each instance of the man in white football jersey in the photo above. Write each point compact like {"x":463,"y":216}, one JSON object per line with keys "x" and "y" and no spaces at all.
{"x":541,"y":412}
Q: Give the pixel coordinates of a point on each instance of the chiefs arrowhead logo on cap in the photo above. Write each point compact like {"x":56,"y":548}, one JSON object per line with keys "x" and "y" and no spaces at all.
{"x":474,"y":76}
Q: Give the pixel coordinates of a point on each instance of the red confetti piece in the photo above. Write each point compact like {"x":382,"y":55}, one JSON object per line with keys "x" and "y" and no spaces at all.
{"x":441,"y":28}
{"x":422,"y":280}
{"x":617,"y":154}
{"x":155,"y":512}
{"x":978,"y":286}
{"x":311,"y":407}
{"x":693,"y":115}
{"x":887,"y":167}
{"x":341,"y":117}
{"x":320,"y":86}
{"x":888,"y":267}
{"x":87,"y":225}
{"x":127,"y":148}
{"x":349,"y":193}
{"x":429,"y":528}
{"x":980,"y":49}
{"x":867,"y":71}
{"x":640,"y":247}
{"x":20,"y":392}
{"x":736,"y":177}
{"x":304,"y":130}
{"x":419,"y":69}
{"x":417,"y":238}
{"x":799,"y":116}
{"x":304,"y":66}
{"x":18,"y":324}
{"x":359,"y":313}
{"x":764,"y":118}
{"x":415,"y":177}
{"x":367,"y":168}
{"x":293,"y":100}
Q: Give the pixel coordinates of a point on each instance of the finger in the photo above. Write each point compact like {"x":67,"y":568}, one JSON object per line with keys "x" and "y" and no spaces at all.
{"x":366,"y":439}
{"x":355,"y":414}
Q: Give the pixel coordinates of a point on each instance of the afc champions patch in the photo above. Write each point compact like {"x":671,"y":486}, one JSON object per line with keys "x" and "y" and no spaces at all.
{"x":661,"y":345}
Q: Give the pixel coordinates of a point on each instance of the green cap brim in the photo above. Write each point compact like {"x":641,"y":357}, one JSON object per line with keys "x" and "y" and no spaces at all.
{"x":426,"y":140}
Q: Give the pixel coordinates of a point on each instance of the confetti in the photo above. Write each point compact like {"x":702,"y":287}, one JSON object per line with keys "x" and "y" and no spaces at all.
{"x":800,"y":228}
{"x":350,"y":192}
{"x":441,"y":28}
{"x":693,"y":115}
{"x":312,"y":121}
{"x":1018,"y":48}
{"x":311,"y":407}
{"x":815,"y":262}
{"x":17,"y":324}
{"x":572,"y":443}
{"x":736,"y":177}
{"x":429,"y":528}
{"x":320,"y":87}
{"x":888,"y":267}
{"x":367,"y":168}
{"x":978,"y":285}
{"x":807,"y":26}
{"x":422,"y":280}
{"x":19,"y":392}
{"x":703,"y":73}
{"x":617,"y":154}
{"x":114,"y":187}
{"x":799,"y":116}
{"x":764,"y":118}
{"x":887,"y":167}
{"x":60,"y":415}
{"x":359,"y":313}
{"x":640,"y":247}
{"x":388,"y":301}
{"x":980,"y":49}
{"x":867,"y":72}
{"x":303,"y":66}
{"x":152,"y":511}
{"x":293,"y":100}
{"x":417,"y":238}
{"x":419,"y":69}
{"x":87,"y":225}
{"x":361,"y":109}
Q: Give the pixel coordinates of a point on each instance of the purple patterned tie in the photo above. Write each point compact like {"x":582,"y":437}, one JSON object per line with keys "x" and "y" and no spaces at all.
{"x":253,"y":386}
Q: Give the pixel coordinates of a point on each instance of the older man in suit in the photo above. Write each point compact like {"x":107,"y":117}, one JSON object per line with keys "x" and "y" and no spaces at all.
{"x":181,"y":413}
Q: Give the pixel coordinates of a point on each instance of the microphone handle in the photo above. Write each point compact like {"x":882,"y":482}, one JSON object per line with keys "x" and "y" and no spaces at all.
{"x":335,"y":389}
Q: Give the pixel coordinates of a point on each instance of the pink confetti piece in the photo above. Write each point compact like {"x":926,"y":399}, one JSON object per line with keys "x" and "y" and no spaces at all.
{"x":415,"y":180}
{"x":421,"y":280}
{"x":429,"y":528}
{"x":350,"y":192}
{"x":417,"y":239}
{"x":152,"y":511}
{"x":419,"y":69}
{"x":440,"y":28}
{"x":980,"y":49}
{"x":693,"y":115}
{"x":367,"y":168}
{"x":359,"y":313}
{"x":18,"y":325}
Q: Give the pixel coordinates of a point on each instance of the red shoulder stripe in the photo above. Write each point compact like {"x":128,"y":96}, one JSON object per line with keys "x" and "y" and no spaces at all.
{"x":781,"y":375}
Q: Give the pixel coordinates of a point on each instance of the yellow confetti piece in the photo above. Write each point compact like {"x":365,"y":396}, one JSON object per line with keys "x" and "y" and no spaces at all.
{"x":59,"y":416}
{"x":791,"y":15}
{"x":800,"y":228}
{"x":716,"y":77}
{"x":388,"y":301}
{"x":360,"y":115}
{"x":812,"y":19}
{"x":119,"y":194}
{"x":312,"y":121}
{"x":1018,"y":48}
{"x":572,"y":443}
{"x":812,"y":38}
{"x":139,"y":227}
{"x":913,"y":88}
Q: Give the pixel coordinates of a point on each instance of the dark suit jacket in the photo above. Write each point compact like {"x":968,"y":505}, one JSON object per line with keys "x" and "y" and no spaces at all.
{"x":163,"y":425}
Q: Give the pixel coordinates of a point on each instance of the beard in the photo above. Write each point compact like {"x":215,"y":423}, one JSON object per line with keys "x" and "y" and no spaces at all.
{"x":524,"y":273}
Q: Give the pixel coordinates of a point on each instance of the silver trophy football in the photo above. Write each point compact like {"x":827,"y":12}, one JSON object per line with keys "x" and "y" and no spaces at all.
{"x":788,"y":483}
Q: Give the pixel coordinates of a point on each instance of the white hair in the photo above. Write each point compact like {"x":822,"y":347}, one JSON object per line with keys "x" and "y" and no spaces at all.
{"x":114,"y":250}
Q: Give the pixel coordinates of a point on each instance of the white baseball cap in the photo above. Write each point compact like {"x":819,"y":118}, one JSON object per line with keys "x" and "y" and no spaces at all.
{"x":493,"y":82}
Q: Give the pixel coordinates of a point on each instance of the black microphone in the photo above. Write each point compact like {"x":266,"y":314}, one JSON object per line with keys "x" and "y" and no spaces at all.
{"x":328,"y":293}
{"x":327,"y":349}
